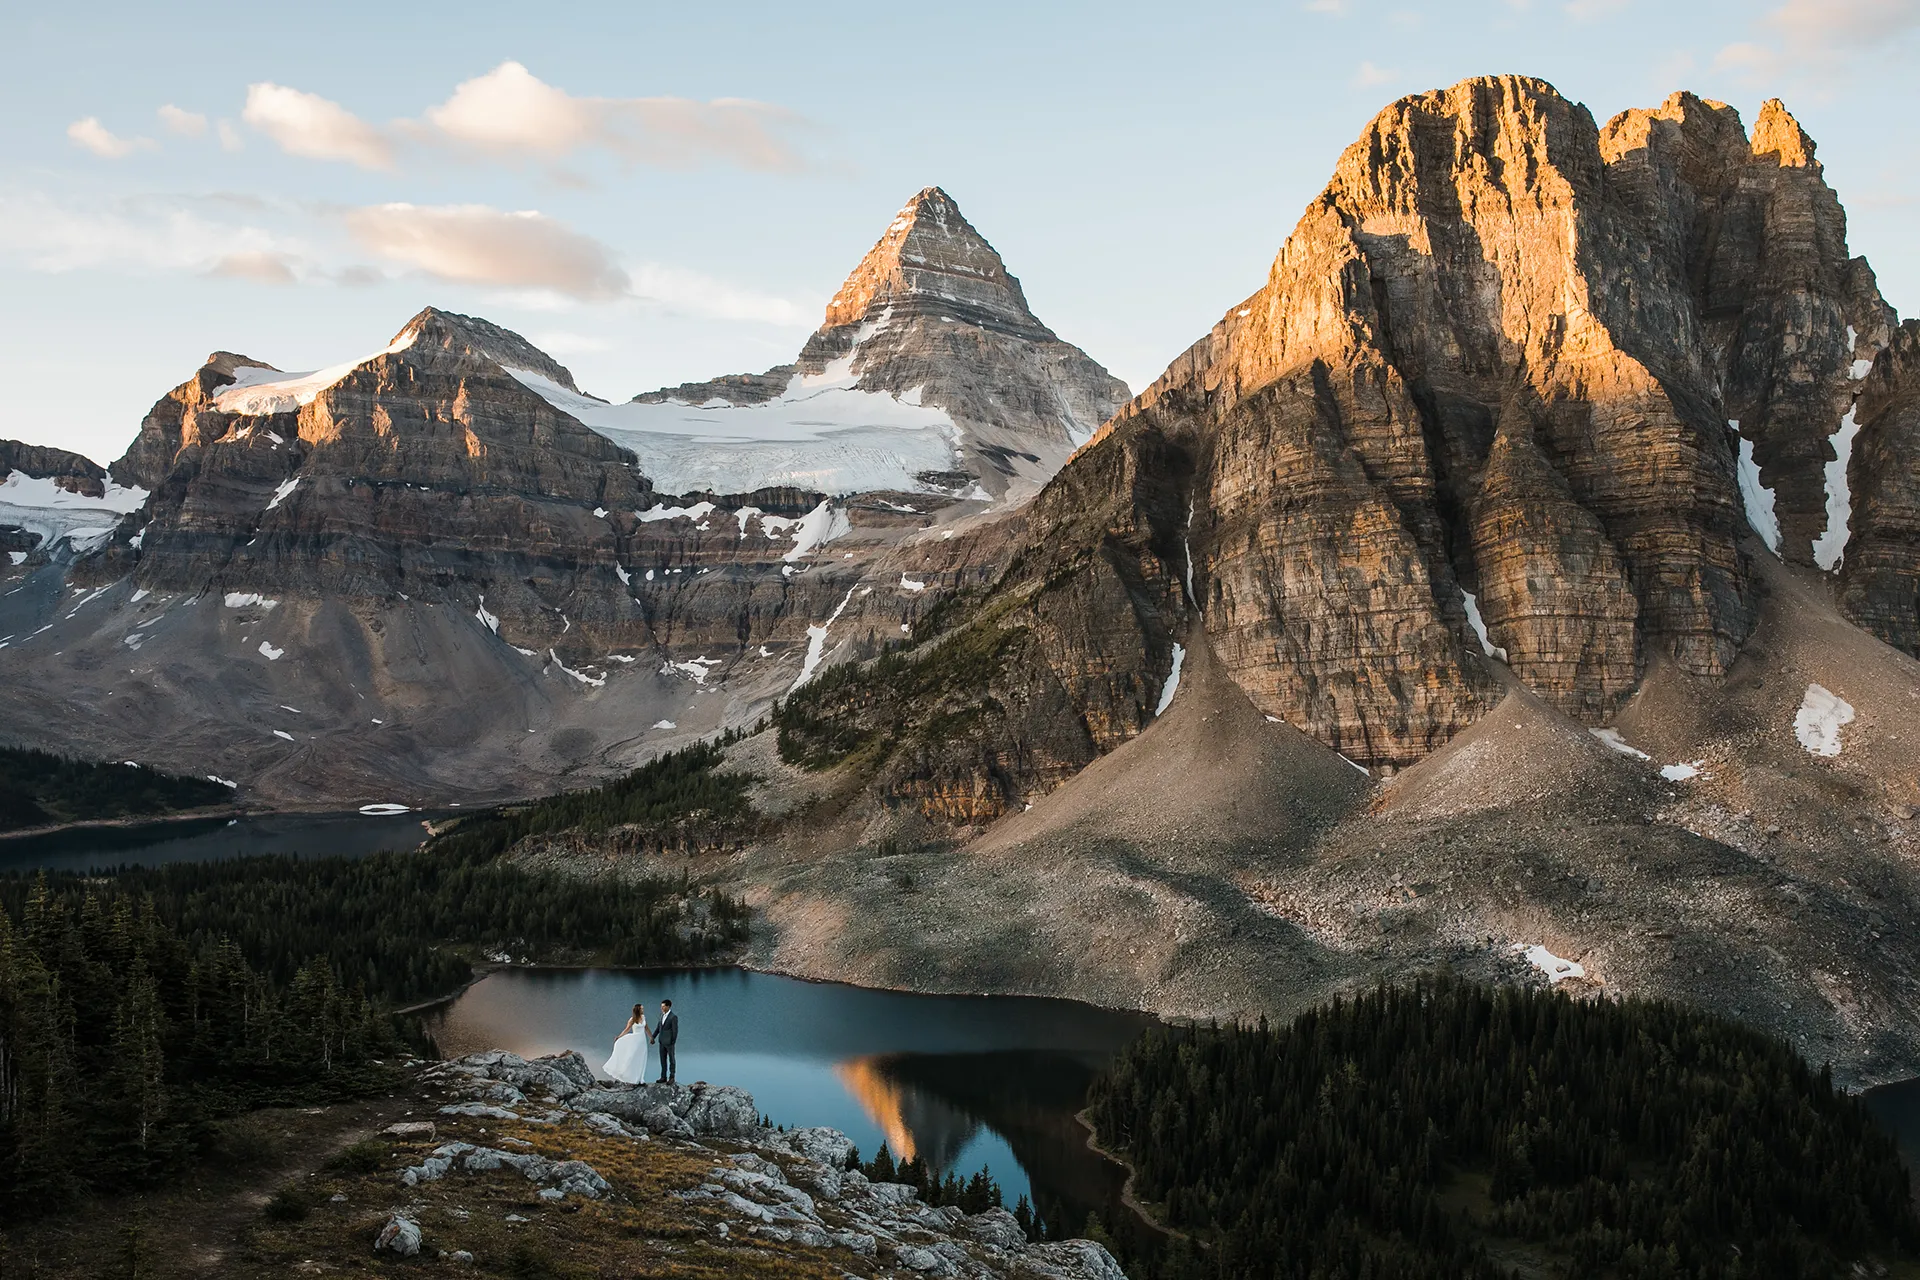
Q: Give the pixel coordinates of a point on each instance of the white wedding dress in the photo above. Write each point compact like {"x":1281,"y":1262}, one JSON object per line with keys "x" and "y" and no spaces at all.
{"x":628,"y":1064}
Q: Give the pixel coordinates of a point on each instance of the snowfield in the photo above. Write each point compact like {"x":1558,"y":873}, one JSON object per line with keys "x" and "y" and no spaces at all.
{"x":821,"y":433}
{"x":40,"y":506}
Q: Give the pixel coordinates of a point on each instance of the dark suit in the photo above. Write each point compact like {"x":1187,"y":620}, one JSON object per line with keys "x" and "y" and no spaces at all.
{"x":666,"y":1035}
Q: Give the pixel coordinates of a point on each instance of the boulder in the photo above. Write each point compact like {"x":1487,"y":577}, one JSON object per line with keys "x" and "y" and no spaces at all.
{"x":400,"y":1236}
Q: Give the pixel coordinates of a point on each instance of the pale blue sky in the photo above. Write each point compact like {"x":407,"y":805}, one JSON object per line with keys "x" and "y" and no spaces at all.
{"x":1137,"y":165}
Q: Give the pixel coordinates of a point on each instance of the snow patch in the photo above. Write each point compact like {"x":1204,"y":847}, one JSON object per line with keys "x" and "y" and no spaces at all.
{"x":695,"y":669}
{"x":19,"y":557}
{"x":817,"y":528}
{"x":908,"y":584}
{"x":661,"y":511}
{"x":1756,"y":497}
{"x":487,"y":620}
{"x":256,"y":391}
{"x":665,"y":724}
{"x":1681,"y":772}
{"x":1550,"y":964}
{"x":1829,"y":549}
{"x":282,"y":733}
{"x":284,"y":488}
{"x":382,"y":810}
{"x":1479,"y":626}
{"x":1172,"y":686}
{"x":1613,"y":739}
{"x":248,"y":599}
{"x":214,"y":777}
{"x":817,"y":643}
{"x":1817,"y":724}
{"x":270,"y":653}
{"x":581,"y":676}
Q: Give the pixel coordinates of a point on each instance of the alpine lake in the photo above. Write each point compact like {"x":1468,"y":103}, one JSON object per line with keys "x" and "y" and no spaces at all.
{"x":961,"y":1082}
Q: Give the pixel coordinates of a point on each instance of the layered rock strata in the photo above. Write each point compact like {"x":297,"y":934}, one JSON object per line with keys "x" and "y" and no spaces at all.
{"x":1479,"y":415}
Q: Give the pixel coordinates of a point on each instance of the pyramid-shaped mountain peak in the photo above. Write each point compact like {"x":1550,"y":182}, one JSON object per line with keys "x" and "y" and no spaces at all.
{"x":931,"y":259}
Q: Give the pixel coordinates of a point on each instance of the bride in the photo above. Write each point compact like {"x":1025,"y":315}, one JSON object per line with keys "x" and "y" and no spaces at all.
{"x":629,"y":1061}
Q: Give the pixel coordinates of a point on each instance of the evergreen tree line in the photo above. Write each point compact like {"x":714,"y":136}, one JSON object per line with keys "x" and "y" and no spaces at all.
{"x":401,"y":925}
{"x":1400,"y":1133}
{"x":122,"y":1042}
{"x":38,"y":788}
{"x":974,"y":1194}
{"x":928,"y":691}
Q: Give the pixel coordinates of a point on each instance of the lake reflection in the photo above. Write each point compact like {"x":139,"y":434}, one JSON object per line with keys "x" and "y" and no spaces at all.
{"x":959,"y":1081}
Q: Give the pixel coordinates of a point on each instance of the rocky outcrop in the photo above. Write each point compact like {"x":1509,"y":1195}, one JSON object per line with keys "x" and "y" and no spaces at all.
{"x":1880,"y":573}
{"x":1783,"y":312}
{"x":1061,"y":658}
{"x":70,"y":471}
{"x":793,"y":1187}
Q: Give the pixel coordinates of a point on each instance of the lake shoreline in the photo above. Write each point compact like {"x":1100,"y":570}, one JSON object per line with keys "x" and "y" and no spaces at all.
{"x":140,"y":820}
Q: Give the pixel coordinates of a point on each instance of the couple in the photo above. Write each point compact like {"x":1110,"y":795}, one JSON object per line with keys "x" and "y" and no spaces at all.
{"x":629,"y":1061}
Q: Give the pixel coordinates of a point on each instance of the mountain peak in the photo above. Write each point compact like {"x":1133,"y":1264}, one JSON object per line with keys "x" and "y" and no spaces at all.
{"x":930,"y":258}
{"x":451,"y":331}
{"x":1777,"y":134}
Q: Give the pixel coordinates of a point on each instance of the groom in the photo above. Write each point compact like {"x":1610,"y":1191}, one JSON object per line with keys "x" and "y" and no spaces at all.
{"x":666,"y":1035}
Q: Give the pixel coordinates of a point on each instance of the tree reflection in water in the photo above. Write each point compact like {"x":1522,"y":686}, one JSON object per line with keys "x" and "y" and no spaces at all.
{"x":932,"y":1105}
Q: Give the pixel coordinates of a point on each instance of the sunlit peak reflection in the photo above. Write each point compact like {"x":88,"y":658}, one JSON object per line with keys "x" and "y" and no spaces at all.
{"x":915,"y":1123}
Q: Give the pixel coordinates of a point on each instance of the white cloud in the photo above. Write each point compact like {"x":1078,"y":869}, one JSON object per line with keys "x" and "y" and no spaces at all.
{"x":305,"y":124}
{"x":475,"y":244}
{"x":510,"y":111}
{"x":1820,"y":37}
{"x":103,"y":142}
{"x":188,"y":124}
{"x":45,"y":235}
{"x":1370,"y":76}
{"x":258,"y":265}
{"x":560,"y":343}
{"x":229,"y":137}
{"x":691,"y":291}
{"x":1594,"y":10}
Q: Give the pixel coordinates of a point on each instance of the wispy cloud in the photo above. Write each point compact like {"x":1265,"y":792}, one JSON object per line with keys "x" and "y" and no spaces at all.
{"x":1371,"y":77}
{"x":1325,"y":6}
{"x":258,"y":265}
{"x":527,"y":258}
{"x":510,"y":113}
{"x":103,"y":142}
{"x":690,"y":291}
{"x":141,"y":236}
{"x":306,"y":124}
{"x":1819,"y":37}
{"x":1595,"y":10}
{"x":475,"y":244}
{"x":187,"y":124}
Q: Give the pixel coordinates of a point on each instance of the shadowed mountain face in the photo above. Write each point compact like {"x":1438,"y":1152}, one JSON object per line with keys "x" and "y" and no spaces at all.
{"x":1516,"y":388}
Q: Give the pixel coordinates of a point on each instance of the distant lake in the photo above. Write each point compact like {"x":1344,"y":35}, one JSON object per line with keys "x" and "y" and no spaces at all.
{"x":311,"y":835}
{"x":960,"y":1081}
{"x":1897,"y":1107}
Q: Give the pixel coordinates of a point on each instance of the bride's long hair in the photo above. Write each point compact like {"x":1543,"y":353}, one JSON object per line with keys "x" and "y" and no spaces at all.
{"x":640,"y":1015}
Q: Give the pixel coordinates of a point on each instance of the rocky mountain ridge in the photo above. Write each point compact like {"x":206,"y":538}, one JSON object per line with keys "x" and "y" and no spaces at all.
{"x":453,"y":514}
